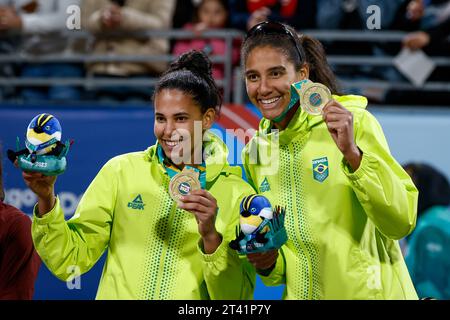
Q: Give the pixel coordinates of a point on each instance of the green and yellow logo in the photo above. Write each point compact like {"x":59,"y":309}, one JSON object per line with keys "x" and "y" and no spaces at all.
{"x":265,"y":186}
{"x":320,"y":169}
{"x":137,"y":203}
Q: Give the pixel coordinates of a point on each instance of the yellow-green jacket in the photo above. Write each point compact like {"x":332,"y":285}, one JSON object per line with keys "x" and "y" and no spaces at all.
{"x":153,"y":247}
{"x":342,"y":226}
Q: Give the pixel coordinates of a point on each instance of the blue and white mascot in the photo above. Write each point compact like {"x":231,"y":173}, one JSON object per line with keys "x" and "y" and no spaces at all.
{"x":261,"y":226}
{"x":44,"y":152}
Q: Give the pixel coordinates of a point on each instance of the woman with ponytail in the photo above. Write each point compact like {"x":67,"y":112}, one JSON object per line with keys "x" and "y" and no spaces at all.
{"x":158,"y":248}
{"x":347,"y":200}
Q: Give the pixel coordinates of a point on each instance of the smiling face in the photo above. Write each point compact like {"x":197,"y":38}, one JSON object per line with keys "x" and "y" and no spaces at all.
{"x":176,"y":117}
{"x":213,"y":14}
{"x":268,"y":78}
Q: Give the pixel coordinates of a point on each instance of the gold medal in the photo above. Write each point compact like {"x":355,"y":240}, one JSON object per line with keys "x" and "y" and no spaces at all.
{"x":183,"y":183}
{"x":313,"y":97}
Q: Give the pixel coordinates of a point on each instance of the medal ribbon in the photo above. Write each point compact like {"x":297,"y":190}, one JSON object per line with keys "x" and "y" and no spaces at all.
{"x":295,"y":98}
{"x":172,"y":170}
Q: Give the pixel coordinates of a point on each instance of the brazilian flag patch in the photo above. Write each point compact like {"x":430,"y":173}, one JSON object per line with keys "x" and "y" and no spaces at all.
{"x":320,"y":169}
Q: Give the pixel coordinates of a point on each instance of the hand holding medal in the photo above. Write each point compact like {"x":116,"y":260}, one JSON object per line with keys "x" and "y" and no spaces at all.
{"x":339,"y":121}
{"x":201,"y":204}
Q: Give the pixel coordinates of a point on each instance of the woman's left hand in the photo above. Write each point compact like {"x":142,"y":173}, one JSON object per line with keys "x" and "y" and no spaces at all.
{"x":204,"y":207}
{"x":340,"y":125}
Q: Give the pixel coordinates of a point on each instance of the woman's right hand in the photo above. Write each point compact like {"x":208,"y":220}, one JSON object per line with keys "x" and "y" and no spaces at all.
{"x":264,"y":261}
{"x":44,"y":188}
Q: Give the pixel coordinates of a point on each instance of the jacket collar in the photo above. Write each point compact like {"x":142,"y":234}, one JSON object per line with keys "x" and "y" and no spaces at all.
{"x":215,"y":156}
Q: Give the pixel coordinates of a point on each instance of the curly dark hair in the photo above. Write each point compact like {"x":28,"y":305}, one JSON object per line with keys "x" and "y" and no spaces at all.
{"x":191,"y":73}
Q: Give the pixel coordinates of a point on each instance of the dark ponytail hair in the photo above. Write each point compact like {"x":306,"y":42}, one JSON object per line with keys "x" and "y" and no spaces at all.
{"x":319,"y":69}
{"x":191,"y":74}
{"x":311,"y":53}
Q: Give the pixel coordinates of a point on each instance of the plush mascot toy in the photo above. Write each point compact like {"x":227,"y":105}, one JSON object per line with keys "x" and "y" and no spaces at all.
{"x":44,"y":152}
{"x":261,"y":226}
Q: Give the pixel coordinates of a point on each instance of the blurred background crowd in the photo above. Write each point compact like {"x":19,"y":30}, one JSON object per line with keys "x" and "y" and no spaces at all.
{"x":117,"y":41}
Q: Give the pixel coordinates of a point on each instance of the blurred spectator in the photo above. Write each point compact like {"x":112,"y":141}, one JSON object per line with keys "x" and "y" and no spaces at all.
{"x":421,"y":14}
{"x":40,"y":22}
{"x":8,"y":45}
{"x":433,"y":41}
{"x":100,"y":16}
{"x":19,"y":262}
{"x":428,"y":247}
{"x":433,"y":38}
{"x":408,"y":15}
{"x":415,"y":9}
{"x":352,"y":14}
{"x":435,"y":13}
{"x":300,"y":14}
{"x":210,"y":15}
{"x":184,"y":12}
{"x":405,"y":15}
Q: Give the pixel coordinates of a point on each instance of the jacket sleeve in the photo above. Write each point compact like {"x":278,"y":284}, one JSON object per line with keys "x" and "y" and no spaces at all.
{"x":229,"y":276}
{"x":277,"y":276}
{"x":73,"y":247}
{"x":384,"y":190}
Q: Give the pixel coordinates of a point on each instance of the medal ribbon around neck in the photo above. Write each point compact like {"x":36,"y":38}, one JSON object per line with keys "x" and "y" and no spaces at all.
{"x":182,"y":181}
{"x":295,"y":88}
{"x":313,"y":97}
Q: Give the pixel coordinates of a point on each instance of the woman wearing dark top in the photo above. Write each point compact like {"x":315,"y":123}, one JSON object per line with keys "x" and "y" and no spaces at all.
{"x":19,"y":262}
